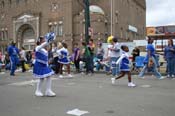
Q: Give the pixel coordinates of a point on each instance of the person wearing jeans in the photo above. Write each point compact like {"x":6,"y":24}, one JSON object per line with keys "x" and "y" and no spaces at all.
{"x":115,"y":54}
{"x":76,"y":57}
{"x":87,"y":58}
{"x":150,"y":55}
{"x":13,"y":52}
{"x":169,"y":55}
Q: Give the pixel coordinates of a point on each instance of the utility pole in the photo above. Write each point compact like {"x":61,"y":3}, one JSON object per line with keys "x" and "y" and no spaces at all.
{"x":87,"y":20}
{"x":111,"y":17}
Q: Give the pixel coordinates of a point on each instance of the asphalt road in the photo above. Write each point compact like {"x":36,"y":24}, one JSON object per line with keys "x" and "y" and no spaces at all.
{"x":95,"y":94}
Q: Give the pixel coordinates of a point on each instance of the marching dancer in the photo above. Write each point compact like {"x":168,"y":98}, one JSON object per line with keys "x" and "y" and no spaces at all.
{"x":63,"y":59}
{"x":124,"y":66}
{"x":41,"y":69}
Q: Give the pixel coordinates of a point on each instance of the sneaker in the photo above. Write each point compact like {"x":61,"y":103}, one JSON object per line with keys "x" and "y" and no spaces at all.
{"x":162,"y":78}
{"x":168,"y":76}
{"x":70,"y":76}
{"x":141,"y":77}
{"x":131,"y":84}
{"x":113,"y":80}
{"x":60,"y":76}
{"x":82,"y":73}
{"x":90,"y":74}
{"x":50,"y":93}
{"x":39,"y":94}
{"x":172,"y":76}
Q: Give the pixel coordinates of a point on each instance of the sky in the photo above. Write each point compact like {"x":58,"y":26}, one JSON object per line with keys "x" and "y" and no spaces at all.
{"x":160,"y":12}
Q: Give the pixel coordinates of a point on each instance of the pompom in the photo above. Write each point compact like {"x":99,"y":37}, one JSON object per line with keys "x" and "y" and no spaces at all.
{"x":109,"y":40}
{"x":50,"y":36}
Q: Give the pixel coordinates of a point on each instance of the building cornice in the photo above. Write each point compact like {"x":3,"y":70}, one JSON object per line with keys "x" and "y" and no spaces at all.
{"x":141,"y":3}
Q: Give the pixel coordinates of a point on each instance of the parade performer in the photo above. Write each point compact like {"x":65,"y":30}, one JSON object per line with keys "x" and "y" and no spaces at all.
{"x":63,"y":59}
{"x":124,"y":66}
{"x":41,"y":69}
{"x":13,"y":52}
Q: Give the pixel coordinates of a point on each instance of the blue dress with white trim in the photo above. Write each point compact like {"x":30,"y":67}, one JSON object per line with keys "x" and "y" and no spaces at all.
{"x":124,"y":62}
{"x":63,"y":56}
{"x":41,"y":68}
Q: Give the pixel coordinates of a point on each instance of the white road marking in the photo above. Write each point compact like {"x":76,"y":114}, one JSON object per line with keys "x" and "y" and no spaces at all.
{"x":146,"y":86}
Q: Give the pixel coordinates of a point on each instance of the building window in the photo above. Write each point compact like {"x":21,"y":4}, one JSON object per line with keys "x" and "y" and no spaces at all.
{"x":60,"y":30}
{"x":10,"y":3}
{"x":25,"y":1}
{"x":5,"y":35}
{"x":54,"y":7}
{"x":1,"y":35}
{"x":2,"y":4}
{"x":121,"y":32}
{"x":57,"y":28}
{"x":17,"y":1}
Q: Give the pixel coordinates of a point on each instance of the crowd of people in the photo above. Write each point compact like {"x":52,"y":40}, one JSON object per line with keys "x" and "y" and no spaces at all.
{"x":50,"y":58}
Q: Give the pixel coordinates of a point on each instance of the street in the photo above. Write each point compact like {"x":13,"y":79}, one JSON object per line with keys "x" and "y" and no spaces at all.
{"x":95,"y":94}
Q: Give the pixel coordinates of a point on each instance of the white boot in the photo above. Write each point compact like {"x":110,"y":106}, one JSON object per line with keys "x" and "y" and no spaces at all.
{"x":38,"y":89}
{"x":49,"y":91}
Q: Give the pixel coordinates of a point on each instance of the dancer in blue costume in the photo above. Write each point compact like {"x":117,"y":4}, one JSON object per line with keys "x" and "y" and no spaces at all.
{"x":63,"y":59}
{"x":124,"y":66}
{"x":41,"y":69}
{"x":13,"y":52}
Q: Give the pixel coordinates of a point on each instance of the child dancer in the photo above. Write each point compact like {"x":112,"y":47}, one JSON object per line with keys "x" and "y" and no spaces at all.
{"x":63,"y":59}
{"x":124,"y":66}
{"x":41,"y":69}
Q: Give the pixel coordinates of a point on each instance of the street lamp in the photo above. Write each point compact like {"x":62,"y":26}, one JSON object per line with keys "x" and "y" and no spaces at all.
{"x":87,"y":20}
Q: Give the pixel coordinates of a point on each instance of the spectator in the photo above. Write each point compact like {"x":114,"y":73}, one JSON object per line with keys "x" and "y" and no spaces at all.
{"x":0,"y":56}
{"x":169,"y":55}
{"x":135,"y":53}
{"x":99,"y":55}
{"x":0,"y":61}
{"x":55,"y":58}
{"x":91,"y":47}
{"x":149,"y":58}
{"x":29,"y":57}
{"x":23,"y":58}
{"x":87,"y":58}
{"x":7,"y":62}
{"x":76,"y":57}
{"x":115,"y":54}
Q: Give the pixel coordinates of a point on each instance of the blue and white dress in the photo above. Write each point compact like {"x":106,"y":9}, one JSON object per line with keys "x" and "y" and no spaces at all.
{"x":124,"y":62}
{"x":41,"y":68}
{"x":63,"y":56}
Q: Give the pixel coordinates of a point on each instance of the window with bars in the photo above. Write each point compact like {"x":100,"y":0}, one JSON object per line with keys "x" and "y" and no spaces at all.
{"x":4,"y":35}
{"x":57,"y":28}
{"x":2,"y":4}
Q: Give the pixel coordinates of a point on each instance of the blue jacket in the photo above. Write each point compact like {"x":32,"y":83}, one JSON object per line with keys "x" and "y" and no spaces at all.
{"x":13,"y":51}
{"x":168,"y":52}
{"x":149,"y":48}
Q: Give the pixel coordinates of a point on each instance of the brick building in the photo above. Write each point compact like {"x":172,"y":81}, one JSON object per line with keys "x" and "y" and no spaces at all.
{"x":24,"y":20}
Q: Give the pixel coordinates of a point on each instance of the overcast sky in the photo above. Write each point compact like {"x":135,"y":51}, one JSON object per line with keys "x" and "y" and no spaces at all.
{"x":160,"y":12}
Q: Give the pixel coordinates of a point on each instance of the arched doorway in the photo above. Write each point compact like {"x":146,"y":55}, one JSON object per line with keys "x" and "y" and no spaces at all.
{"x":26,"y":37}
